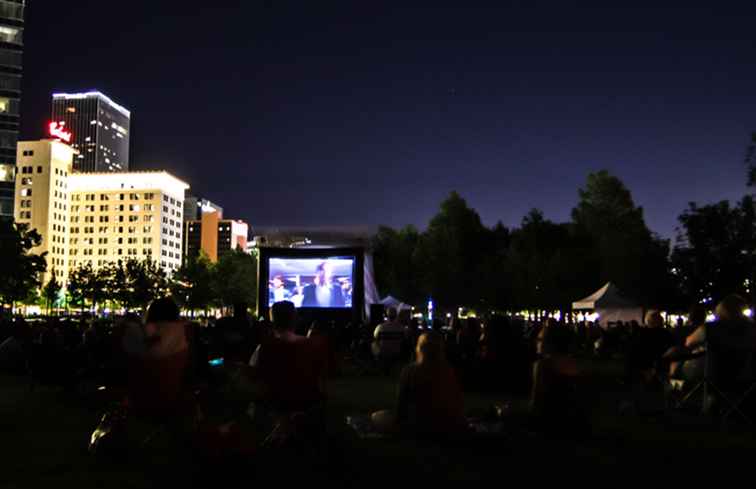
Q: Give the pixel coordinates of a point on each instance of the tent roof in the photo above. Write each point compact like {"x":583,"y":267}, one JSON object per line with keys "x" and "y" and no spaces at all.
{"x":607,"y":296}
{"x":390,"y":301}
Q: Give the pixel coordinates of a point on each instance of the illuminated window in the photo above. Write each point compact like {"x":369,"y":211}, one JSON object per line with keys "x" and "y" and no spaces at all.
{"x":10,"y":34}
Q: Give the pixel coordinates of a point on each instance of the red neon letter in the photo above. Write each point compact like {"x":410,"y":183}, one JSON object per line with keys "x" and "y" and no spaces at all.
{"x":56,"y":130}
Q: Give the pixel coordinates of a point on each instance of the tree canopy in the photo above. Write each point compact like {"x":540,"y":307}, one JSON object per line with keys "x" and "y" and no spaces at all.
{"x":20,"y":270}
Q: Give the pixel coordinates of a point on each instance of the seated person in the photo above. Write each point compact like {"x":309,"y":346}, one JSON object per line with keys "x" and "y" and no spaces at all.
{"x":159,"y":362}
{"x":389,"y":337}
{"x":647,"y":346}
{"x":553,"y":372}
{"x":13,"y":355}
{"x":429,"y":400}
{"x":290,"y":369}
{"x":730,"y":328}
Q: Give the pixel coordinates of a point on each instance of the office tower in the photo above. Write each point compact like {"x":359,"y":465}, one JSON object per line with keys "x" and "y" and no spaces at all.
{"x":214,"y":235}
{"x":195,"y":206}
{"x":11,"y":52}
{"x":42,"y":199}
{"x":99,"y":130}
{"x":97,"y":218}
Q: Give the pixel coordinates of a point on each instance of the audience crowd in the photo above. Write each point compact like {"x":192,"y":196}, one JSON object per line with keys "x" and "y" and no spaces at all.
{"x":175,"y":373}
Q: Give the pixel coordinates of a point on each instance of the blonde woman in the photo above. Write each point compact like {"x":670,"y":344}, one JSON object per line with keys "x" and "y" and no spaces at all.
{"x":429,"y":400}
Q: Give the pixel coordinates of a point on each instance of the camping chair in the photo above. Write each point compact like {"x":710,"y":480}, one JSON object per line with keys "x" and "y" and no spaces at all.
{"x":729,"y":378}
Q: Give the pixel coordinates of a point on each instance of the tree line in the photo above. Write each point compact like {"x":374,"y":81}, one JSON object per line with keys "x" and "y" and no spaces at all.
{"x":546,"y":265}
{"x":128,"y":284}
{"x":457,"y":261}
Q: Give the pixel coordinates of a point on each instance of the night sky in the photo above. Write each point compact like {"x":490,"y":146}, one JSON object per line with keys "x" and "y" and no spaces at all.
{"x":363,"y":114}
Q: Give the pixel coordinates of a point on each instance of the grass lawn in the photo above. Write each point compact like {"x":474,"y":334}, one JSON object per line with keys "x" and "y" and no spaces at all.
{"x":45,"y":435}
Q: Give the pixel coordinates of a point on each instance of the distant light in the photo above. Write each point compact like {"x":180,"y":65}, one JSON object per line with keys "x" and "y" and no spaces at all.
{"x":101,"y":388}
{"x":748,"y":312}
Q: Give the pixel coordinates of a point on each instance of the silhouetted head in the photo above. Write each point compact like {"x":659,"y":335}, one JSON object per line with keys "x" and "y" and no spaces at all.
{"x":654,"y":319}
{"x":430,"y":348}
{"x":391,"y":313}
{"x":697,"y":315}
{"x":283,"y":314}
{"x":553,"y":339}
{"x":731,"y":308}
{"x":162,"y":310}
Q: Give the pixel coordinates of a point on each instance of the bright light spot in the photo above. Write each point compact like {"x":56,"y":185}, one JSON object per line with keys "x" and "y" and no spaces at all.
{"x":748,"y":312}
{"x":710,"y":317}
{"x":101,"y":388}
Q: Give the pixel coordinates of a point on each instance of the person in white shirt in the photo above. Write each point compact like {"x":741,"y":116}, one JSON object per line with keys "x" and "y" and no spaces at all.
{"x":389,"y":338}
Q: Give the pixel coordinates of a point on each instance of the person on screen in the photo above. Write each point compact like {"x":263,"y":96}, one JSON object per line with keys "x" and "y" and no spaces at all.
{"x":323,"y":292}
{"x":278,"y":292}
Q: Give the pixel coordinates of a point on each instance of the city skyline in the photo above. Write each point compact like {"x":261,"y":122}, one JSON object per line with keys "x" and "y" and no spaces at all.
{"x":350,"y":116}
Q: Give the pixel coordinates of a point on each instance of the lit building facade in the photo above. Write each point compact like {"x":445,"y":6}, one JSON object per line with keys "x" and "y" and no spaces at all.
{"x":99,"y":127}
{"x":11,"y":54}
{"x":42,"y":200}
{"x":97,"y":218}
{"x":214,"y":235}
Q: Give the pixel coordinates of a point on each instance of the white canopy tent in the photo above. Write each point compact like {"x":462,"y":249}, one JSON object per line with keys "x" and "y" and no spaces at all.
{"x":610,"y":305}
{"x":390,"y":301}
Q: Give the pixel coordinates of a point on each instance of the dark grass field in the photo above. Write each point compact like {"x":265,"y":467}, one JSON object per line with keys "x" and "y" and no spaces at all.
{"x":45,"y":432}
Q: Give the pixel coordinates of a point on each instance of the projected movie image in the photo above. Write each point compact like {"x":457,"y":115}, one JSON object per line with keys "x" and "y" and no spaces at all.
{"x":311,"y":282}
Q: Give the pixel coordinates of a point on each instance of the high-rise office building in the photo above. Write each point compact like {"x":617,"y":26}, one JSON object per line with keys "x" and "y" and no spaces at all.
{"x":214,"y":235}
{"x":195,"y":206}
{"x":43,"y":201}
{"x":97,"y":218}
{"x":99,"y":130}
{"x":11,"y":51}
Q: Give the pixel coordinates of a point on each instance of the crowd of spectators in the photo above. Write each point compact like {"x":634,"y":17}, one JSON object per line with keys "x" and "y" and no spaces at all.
{"x":161,"y":367}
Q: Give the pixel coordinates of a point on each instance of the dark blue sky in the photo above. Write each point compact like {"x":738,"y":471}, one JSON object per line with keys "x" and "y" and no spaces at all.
{"x":358,"y":114}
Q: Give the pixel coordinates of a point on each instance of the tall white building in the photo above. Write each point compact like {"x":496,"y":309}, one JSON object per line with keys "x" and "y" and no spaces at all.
{"x":42,"y":199}
{"x":96,"y":218}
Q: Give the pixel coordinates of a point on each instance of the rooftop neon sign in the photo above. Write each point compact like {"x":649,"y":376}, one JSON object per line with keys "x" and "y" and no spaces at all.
{"x":57,"y":130}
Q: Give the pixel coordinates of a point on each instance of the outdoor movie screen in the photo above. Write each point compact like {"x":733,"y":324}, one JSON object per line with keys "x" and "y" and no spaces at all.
{"x":311,"y":282}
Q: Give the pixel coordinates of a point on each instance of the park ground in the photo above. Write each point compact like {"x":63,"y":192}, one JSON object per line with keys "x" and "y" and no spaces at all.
{"x":45,"y":432}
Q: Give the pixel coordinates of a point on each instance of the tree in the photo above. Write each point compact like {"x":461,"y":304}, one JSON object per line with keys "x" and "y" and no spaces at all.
{"x":750,"y":160}
{"x":628,"y":253}
{"x":138,"y":282}
{"x":20,"y":271}
{"x":396,"y":269}
{"x":86,"y":283}
{"x":235,"y":280}
{"x":51,"y":292}
{"x":714,"y":254}
{"x":192,"y":283}
{"x":549,"y":264}
{"x":450,"y":255}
